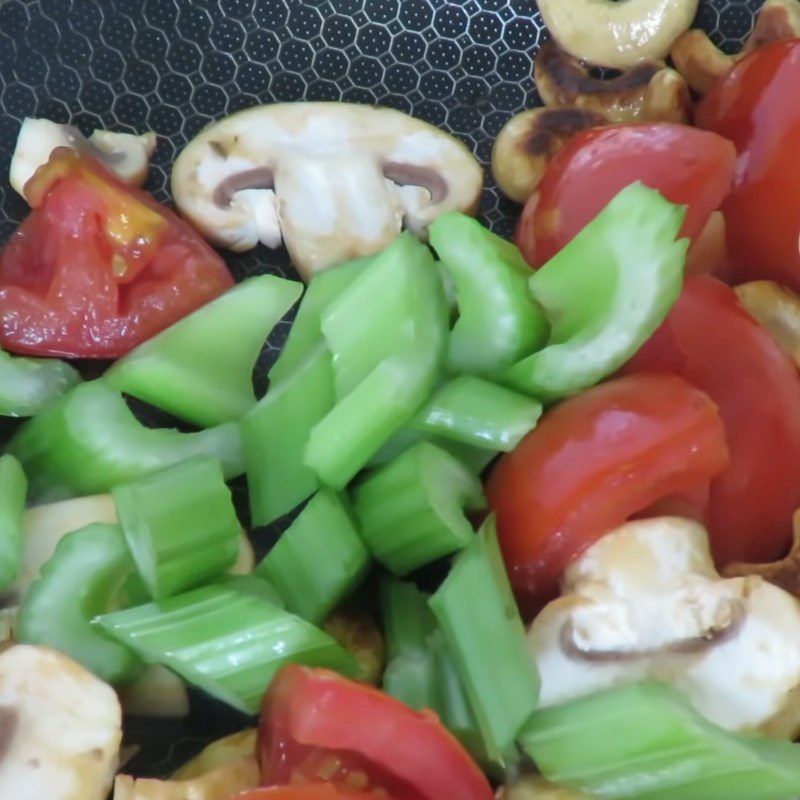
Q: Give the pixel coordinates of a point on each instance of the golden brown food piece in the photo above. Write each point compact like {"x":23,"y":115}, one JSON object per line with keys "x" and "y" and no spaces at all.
{"x":534,"y":787}
{"x":218,"y":754}
{"x":777,"y":309}
{"x":355,"y":629}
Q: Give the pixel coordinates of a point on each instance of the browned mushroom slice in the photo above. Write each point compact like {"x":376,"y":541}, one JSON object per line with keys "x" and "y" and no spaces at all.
{"x":784,"y":573}
{"x":528,"y":141}
{"x":778,"y":310}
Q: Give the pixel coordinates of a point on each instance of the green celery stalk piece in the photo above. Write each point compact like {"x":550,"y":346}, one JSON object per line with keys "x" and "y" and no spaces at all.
{"x":201,"y":368}
{"x":345,"y":440}
{"x":485,"y":635}
{"x":227,"y":641}
{"x":372,"y":319}
{"x":318,"y":560}
{"x":275,"y":434}
{"x":477,"y":412}
{"x":13,"y":490}
{"x":29,"y":385}
{"x":305,"y":334}
{"x":90,"y":573}
{"x":89,"y":441}
{"x":643,"y":741}
{"x":605,"y":293}
{"x":180,"y":525}
{"x":411,"y":511}
{"x":498,"y":321}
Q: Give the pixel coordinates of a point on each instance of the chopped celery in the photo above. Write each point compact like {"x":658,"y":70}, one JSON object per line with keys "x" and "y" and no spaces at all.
{"x":275,"y":433}
{"x":411,"y":511}
{"x":29,"y":385}
{"x":644,"y":741}
{"x":605,"y":293}
{"x":357,"y":427}
{"x":224,"y":640}
{"x":306,"y":331}
{"x":89,"y":441}
{"x":373,"y":318}
{"x":180,"y":525}
{"x":498,"y":322}
{"x":484,"y":633}
{"x":317,"y":560}
{"x":201,"y":368}
{"x":13,"y":488}
{"x":479,"y":413}
{"x":91,"y":572}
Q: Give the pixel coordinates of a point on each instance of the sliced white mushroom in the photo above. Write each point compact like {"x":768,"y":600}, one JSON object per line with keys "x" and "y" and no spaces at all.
{"x":333,"y":180}
{"x":617,"y":34}
{"x":60,"y":728}
{"x":127,"y":154}
{"x":646,"y":601}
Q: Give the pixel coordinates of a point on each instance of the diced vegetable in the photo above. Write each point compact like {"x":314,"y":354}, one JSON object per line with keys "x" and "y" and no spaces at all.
{"x":274,"y":436}
{"x":362,"y":421}
{"x":357,"y":631}
{"x":13,"y":488}
{"x":411,"y":511}
{"x":479,"y":413}
{"x":156,"y":692}
{"x":223,"y":640}
{"x":201,"y":368}
{"x":644,"y":741}
{"x":90,"y":573}
{"x":89,"y":441}
{"x":29,"y":385}
{"x":605,"y":293}
{"x":318,"y":559}
{"x":305,"y":334}
{"x":180,"y":525}
{"x":498,"y":321}
{"x":481,"y":625}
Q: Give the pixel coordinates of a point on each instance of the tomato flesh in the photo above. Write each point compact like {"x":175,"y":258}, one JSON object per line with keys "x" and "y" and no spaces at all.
{"x":317,"y":727}
{"x":757,"y":107}
{"x":686,"y":165}
{"x":319,"y":791}
{"x":711,"y":341}
{"x":98,"y":267}
{"x":593,"y":461}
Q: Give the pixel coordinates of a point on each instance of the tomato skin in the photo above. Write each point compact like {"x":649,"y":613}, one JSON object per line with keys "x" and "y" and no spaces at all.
{"x":757,"y":107}
{"x":711,"y":341}
{"x":312,"y":718}
{"x":594,"y":461}
{"x":59,"y":292}
{"x":685,"y":164}
{"x":319,"y":791}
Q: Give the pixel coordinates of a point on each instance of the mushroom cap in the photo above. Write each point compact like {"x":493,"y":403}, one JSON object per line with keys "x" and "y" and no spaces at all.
{"x":62,"y":728}
{"x":617,"y":34}
{"x":324,"y":176}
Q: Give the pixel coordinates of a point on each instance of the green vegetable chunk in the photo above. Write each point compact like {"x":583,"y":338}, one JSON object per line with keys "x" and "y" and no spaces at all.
{"x":89,"y":441}
{"x":225,"y":640}
{"x":643,"y":741}
{"x":605,"y":293}
{"x":90,"y":573}
{"x":484,"y":633}
{"x":498,"y":321}
{"x":318,"y":560}
{"x":29,"y":385}
{"x":275,"y":434}
{"x":180,"y":525}
{"x":479,"y":413}
{"x":13,"y":489}
{"x":411,"y":511}
{"x":201,"y":368}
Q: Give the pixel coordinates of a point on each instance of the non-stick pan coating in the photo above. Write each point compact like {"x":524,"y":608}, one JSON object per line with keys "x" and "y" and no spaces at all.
{"x":172,"y":66}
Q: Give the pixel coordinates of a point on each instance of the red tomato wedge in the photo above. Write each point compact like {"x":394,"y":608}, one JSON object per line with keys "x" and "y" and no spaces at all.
{"x":98,"y":267}
{"x":757,"y":107}
{"x":594,"y":461}
{"x":319,"y":727}
{"x":319,"y":791}
{"x":711,"y":341}
{"x":685,"y":164}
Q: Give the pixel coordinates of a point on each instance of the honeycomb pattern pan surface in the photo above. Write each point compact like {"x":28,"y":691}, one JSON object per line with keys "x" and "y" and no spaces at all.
{"x":175,"y":65}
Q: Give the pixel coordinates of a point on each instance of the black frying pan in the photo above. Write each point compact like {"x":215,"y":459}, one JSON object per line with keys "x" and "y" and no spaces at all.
{"x":172,"y":66}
